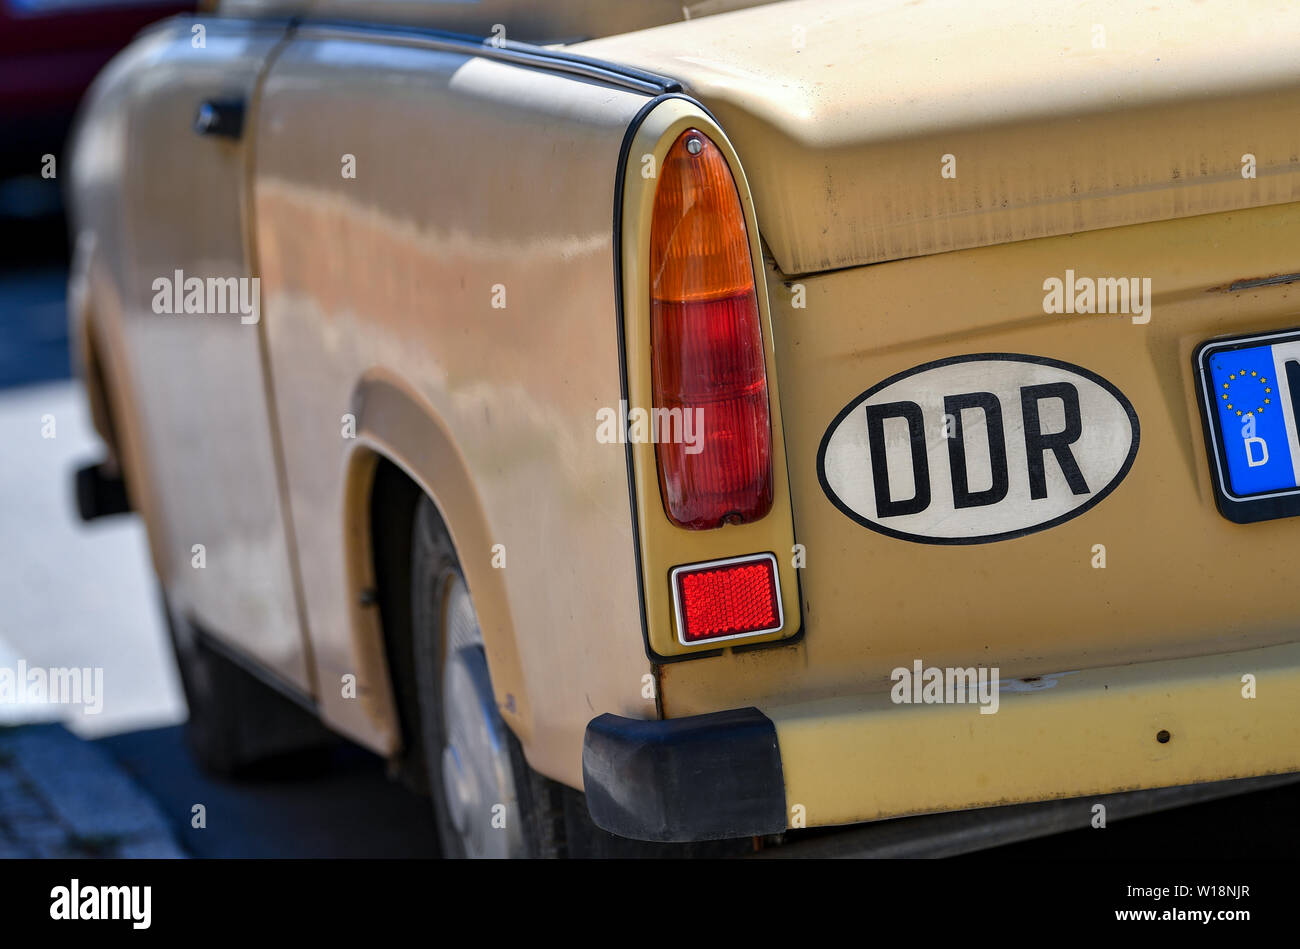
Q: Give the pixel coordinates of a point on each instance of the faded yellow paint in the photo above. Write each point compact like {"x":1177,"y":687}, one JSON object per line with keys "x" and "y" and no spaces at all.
{"x":1093,"y":732}
{"x":1180,"y":580}
{"x":378,"y":296}
{"x":151,"y":199}
{"x":843,"y":111}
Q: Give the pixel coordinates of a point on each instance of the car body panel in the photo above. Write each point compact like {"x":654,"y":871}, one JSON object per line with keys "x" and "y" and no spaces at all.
{"x":843,"y":112}
{"x":196,"y":381}
{"x":471,"y":175}
{"x":1179,"y":581}
{"x":1092,"y":732}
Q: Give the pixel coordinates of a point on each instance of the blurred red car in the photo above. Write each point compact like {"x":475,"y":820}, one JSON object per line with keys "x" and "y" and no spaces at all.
{"x":50,"y":50}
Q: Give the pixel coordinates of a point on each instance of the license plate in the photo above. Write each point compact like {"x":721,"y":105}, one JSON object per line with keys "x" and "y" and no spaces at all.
{"x":1250,"y":391}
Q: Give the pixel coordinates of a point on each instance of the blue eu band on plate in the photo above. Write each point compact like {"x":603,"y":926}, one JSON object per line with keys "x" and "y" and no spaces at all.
{"x":1256,"y":419}
{"x":1255,"y":414}
{"x":1250,"y":392}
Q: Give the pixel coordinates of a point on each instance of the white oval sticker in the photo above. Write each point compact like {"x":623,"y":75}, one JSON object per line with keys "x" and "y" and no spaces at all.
{"x":978,"y":448}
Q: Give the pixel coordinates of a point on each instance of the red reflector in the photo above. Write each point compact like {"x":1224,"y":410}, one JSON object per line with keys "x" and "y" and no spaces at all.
{"x":724,"y":599}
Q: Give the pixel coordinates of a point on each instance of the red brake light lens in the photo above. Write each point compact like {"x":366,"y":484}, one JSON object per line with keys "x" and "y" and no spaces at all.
{"x":707,"y":362}
{"x":724,"y":599}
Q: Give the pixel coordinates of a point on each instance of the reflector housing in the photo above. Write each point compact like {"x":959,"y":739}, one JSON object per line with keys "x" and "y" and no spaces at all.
{"x":708,"y":371}
{"x":727,"y":599}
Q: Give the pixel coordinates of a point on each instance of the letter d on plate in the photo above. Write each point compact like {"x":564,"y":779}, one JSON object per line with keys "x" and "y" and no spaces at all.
{"x":978,"y":448}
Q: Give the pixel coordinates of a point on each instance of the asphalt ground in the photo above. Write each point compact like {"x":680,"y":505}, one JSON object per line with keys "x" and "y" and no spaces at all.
{"x":340,"y":804}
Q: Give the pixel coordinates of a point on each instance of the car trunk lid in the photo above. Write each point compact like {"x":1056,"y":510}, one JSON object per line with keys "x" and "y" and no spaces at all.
{"x":883,"y":130}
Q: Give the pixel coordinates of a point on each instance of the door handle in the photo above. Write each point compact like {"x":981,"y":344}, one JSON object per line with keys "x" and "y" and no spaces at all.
{"x":224,"y":117}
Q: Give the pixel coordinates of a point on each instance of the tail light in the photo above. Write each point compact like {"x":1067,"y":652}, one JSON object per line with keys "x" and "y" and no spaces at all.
{"x":726,"y":599}
{"x":707,"y":345}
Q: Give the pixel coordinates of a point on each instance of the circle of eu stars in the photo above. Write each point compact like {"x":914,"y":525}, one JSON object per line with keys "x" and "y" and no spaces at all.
{"x":1261,"y":399}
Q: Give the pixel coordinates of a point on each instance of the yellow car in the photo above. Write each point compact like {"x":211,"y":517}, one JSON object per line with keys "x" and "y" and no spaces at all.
{"x":698,"y":424}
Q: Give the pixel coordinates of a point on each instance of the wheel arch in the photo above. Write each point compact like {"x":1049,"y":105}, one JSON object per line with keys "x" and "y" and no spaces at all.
{"x":397,"y":427}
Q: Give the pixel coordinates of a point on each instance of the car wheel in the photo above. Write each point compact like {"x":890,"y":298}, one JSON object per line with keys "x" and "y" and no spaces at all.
{"x":487,"y":801}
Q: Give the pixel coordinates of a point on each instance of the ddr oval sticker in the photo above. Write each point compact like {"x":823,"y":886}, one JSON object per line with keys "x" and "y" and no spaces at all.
{"x":978,"y":448}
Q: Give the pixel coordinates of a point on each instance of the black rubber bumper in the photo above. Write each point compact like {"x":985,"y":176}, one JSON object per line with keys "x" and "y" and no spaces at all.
{"x":707,"y":777}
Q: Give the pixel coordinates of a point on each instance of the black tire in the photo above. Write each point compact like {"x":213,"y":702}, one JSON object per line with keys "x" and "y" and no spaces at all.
{"x":556,"y":822}
{"x":433,"y":568}
{"x":236,"y":721}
